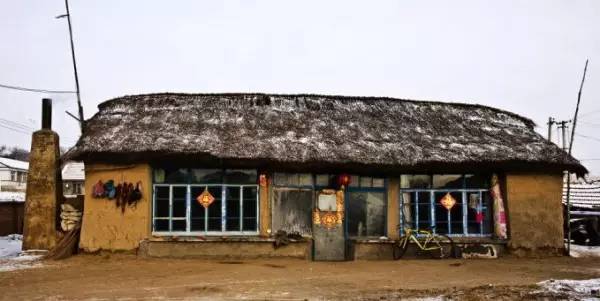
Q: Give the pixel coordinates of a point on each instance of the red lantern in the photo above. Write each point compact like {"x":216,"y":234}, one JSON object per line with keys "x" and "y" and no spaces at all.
{"x":343,"y":180}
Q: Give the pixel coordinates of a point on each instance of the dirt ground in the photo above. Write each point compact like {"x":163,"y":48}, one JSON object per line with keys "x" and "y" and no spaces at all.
{"x":126,"y":277}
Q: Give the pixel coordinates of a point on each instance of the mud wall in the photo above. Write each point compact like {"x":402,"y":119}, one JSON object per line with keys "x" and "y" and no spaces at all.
{"x":105,"y":226}
{"x":393,"y":209}
{"x":223,"y":249}
{"x":534,"y":210}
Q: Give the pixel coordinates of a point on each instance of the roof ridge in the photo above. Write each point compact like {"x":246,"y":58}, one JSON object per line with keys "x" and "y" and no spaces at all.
{"x":529,"y":122}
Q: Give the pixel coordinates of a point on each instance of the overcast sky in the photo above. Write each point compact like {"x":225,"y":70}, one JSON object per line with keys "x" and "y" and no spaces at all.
{"x":522,"y":56}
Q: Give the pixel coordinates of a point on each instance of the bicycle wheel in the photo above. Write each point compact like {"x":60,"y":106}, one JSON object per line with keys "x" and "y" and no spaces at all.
{"x":400,"y":247}
{"x":445,"y":246}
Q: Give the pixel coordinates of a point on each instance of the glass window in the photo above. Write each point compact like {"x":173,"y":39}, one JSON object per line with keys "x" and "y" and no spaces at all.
{"x":447,"y":181}
{"x":366,"y":181}
{"x":13,"y":175}
{"x":207,"y":176}
{"x":323,"y":180}
{"x":469,"y":215}
{"x":176,"y":175}
{"x":415,"y":181}
{"x":366,"y":214}
{"x":240,"y":176}
{"x":354,"y":181}
{"x":477,"y":181}
{"x":292,"y":210}
{"x":378,"y":182}
{"x":234,"y":209}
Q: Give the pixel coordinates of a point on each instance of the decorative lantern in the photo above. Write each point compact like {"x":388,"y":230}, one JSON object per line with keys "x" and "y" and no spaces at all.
{"x":205,"y":198}
{"x":448,"y":201}
{"x":343,"y":180}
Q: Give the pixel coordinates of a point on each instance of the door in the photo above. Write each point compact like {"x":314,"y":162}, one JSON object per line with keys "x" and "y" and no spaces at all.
{"x":329,"y":240}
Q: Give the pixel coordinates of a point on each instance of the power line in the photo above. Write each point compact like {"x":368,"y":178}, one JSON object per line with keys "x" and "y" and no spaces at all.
{"x":589,"y":137}
{"x":14,"y":129}
{"x":16,"y":124}
{"x":35,"y":90}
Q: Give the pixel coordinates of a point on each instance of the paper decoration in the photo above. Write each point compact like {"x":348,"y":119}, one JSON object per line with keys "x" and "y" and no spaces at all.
{"x":262,"y":180}
{"x":205,"y":198}
{"x":329,"y":219}
{"x":499,"y":214}
{"x":448,"y":201}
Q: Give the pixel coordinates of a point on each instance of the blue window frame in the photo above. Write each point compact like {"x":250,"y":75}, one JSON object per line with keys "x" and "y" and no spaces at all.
{"x":175,"y":210}
{"x":421,"y":208}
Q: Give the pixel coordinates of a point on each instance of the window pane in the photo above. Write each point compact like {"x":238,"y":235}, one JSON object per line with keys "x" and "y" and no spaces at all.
{"x":179,"y":225}
{"x":448,"y":221}
{"x":322,"y":180}
{"x":159,"y":175}
{"x":366,"y":214}
{"x":197,"y":211}
{"x":179,"y":201}
{"x":354,"y":181}
{"x":477,"y":181}
{"x":280,"y":179}
{"x":161,"y":202}
{"x":214,"y":210}
{"x":176,"y":176}
{"x":207,"y":176}
{"x":423,"y":205}
{"x":366,"y":181}
{"x":233,"y":209}
{"x":292,"y":210}
{"x":447,"y":181}
{"x":378,"y":182}
{"x":415,"y":181}
{"x":161,"y":225}
{"x":305,"y":179}
{"x":240,"y":176}
{"x":250,"y":210}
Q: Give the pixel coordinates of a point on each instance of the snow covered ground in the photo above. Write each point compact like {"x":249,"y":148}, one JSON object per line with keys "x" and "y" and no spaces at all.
{"x":11,"y":257}
{"x":578,"y":251}
{"x":572,"y":289}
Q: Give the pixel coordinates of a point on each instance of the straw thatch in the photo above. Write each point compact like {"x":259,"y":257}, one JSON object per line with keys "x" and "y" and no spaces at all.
{"x":316,"y":131}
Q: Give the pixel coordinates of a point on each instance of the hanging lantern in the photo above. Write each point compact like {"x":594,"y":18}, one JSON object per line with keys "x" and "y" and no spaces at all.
{"x":343,"y":180}
{"x":448,"y":201}
{"x":205,"y":198}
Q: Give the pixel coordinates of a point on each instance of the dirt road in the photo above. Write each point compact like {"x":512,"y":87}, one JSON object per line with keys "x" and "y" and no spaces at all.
{"x":107,"y":277}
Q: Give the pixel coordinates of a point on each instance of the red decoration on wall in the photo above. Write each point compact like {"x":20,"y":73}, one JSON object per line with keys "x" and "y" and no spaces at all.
{"x":262,"y":180}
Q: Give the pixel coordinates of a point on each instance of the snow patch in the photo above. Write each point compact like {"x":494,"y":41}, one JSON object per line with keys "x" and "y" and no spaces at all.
{"x":9,"y":196}
{"x":578,"y":251}
{"x":11,"y":257}
{"x":572,"y":289}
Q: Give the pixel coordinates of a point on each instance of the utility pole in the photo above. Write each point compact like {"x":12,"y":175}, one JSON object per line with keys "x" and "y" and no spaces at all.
{"x":570,"y":151}
{"x":551,"y":121}
{"x":79,"y":107}
{"x":563,"y":126}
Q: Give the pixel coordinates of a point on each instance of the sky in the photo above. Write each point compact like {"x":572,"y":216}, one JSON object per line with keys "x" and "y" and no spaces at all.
{"x":523,"y":56}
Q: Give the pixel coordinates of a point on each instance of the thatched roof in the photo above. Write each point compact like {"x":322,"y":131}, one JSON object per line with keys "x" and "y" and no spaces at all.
{"x":316,"y":131}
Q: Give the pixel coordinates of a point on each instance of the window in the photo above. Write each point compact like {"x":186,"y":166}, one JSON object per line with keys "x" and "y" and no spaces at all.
{"x":78,"y":188}
{"x":366,"y":212}
{"x":13,"y":176}
{"x":233,"y":211}
{"x":421,"y":206}
{"x":366,"y":207}
{"x":292,"y":203}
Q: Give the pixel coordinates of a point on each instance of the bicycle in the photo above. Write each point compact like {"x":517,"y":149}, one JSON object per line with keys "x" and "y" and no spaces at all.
{"x":438,"y":245}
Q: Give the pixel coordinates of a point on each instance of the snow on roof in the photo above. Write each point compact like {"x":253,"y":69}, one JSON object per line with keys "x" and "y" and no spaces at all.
{"x":585,"y":192}
{"x":305,"y":130}
{"x":10,"y":196}
{"x":73,"y":171}
{"x":15,"y":164}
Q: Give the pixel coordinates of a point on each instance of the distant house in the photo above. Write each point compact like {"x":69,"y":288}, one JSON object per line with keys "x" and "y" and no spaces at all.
{"x":585,"y":209}
{"x":73,"y":176}
{"x":13,"y":174}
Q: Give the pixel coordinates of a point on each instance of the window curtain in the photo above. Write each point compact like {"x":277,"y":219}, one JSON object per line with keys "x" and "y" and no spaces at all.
{"x":499,"y":214}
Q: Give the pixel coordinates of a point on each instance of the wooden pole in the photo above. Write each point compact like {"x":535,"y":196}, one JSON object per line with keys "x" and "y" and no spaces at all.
{"x":570,"y":151}
{"x":80,"y":108}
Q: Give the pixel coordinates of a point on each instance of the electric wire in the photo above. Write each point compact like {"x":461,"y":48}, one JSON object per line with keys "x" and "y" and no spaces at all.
{"x":35,"y":90}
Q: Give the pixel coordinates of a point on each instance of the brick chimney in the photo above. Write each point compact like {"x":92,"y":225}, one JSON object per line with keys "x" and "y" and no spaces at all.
{"x":44,"y":187}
